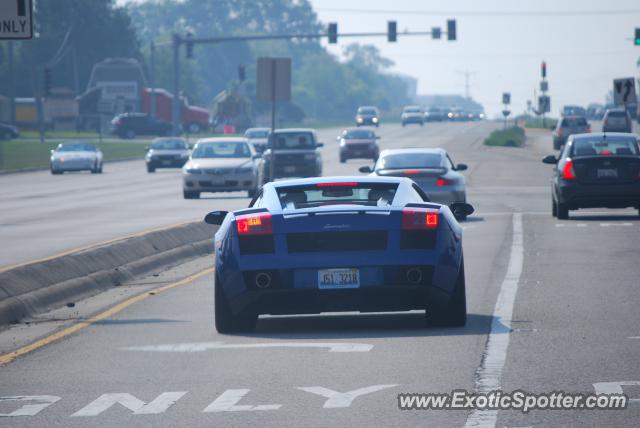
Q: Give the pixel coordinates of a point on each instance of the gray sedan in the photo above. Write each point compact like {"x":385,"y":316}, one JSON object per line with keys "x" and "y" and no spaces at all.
{"x":169,"y":152}
{"x":76,"y":156}
{"x":432,"y":169}
{"x":221,"y":165}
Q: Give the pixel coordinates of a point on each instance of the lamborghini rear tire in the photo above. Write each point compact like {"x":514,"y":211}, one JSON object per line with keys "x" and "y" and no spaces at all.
{"x":228,"y":322}
{"x":454,"y":313}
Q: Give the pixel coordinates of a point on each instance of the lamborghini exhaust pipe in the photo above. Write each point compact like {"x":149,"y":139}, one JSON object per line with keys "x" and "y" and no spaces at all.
{"x":263,"y":280}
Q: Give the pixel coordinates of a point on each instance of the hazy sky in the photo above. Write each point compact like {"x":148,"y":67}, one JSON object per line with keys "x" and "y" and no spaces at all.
{"x":586,"y":43}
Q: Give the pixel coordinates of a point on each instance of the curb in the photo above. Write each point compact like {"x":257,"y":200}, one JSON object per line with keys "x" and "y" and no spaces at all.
{"x":42,"y":286}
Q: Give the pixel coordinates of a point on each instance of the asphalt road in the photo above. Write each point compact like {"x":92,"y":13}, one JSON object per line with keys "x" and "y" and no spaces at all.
{"x":552,"y":307}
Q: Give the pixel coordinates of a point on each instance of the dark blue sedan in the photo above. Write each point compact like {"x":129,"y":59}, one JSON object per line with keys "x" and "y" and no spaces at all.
{"x":339,"y":244}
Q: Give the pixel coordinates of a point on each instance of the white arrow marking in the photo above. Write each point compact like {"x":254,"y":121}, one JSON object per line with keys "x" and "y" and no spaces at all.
{"x":137,"y":406}
{"x":337,"y":399}
{"x":206,"y":346}
{"x":42,"y":402}
{"x":616,"y":388}
{"x":229,"y":399}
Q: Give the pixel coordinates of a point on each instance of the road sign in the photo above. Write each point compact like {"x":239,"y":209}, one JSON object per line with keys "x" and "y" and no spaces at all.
{"x":16,"y":19}
{"x":506,"y":98}
{"x":506,"y":113}
{"x":544,"y":104}
{"x":274,"y":79}
{"x":624,"y":91}
{"x":544,"y":86}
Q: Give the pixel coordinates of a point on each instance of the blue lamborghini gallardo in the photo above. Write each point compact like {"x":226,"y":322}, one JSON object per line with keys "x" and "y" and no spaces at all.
{"x":332,"y":244}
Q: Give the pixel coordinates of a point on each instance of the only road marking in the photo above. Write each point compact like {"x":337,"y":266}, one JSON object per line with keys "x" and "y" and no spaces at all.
{"x":206,"y":346}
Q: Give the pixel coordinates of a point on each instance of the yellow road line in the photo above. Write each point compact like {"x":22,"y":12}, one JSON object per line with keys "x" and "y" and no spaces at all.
{"x":7,"y":358}
{"x":90,"y":246}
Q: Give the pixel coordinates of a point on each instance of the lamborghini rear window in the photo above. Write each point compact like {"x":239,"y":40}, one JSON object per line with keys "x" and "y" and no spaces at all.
{"x":338,"y":193}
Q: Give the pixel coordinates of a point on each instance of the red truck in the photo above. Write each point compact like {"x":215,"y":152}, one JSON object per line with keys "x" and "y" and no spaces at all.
{"x":193,"y":119}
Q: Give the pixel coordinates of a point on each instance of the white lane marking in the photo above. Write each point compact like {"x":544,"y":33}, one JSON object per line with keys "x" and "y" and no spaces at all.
{"x":337,"y":399}
{"x":161,"y":403}
{"x":616,"y":388}
{"x":41,"y":402}
{"x":616,"y":224}
{"x":228,"y":402}
{"x":633,"y":337}
{"x":206,"y":346}
{"x":581,"y":225}
{"x":488,"y":375}
{"x":559,"y":225}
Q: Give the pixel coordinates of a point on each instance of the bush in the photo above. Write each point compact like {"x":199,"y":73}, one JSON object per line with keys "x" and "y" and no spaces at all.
{"x":510,"y":137}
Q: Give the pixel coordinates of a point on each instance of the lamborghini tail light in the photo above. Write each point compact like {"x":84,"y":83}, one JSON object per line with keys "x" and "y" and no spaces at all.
{"x":419,"y":219}
{"x":254,"y":224}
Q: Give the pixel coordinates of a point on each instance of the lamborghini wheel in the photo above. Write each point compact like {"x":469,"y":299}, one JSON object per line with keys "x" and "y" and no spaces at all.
{"x":453,"y":314}
{"x":226,"y":320}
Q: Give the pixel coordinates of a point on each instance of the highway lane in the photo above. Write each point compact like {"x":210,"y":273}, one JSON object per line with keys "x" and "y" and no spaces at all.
{"x":574,"y":325}
{"x":41,"y":214}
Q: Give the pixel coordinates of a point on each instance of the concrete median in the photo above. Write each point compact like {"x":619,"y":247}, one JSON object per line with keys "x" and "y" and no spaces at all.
{"x":38,"y":287}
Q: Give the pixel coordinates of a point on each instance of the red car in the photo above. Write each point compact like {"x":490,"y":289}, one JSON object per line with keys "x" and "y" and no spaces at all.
{"x":356,"y":143}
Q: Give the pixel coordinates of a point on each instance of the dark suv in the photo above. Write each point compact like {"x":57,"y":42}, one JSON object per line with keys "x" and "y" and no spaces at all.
{"x":567,"y":126}
{"x":128,"y":125}
{"x":296,"y":152}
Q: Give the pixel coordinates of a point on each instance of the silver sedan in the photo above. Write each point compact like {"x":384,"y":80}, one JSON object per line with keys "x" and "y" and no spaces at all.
{"x":432,"y":169}
{"x":221,"y":165}
{"x":76,"y":156}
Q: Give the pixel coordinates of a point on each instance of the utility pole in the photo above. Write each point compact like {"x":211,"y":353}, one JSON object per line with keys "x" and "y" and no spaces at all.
{"x":12,"y":95}
{"x":176,"y":84}
{"x":152,"y":78}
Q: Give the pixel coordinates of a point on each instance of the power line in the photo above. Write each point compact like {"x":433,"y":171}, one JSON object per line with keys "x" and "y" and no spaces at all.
{"x":486,"y":13}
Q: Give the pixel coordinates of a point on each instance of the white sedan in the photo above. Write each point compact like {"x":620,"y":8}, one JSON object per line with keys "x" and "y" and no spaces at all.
{"x":76,"y":156}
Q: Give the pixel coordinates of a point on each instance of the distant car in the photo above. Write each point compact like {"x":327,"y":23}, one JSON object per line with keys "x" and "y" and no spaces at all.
{"x":434,"y":114}
{"x":597,"y":170}
{"x":358,"y":143}
{"x":223,"y":164}
{"x":297,"y":154}
{"x":595,"y":112}
{"x":455,"y":115}
{"x":432,"y":169}
{"x":8,"y":132}
{"x":368,"y":115}
{"x":369,"y":244}
{"x":167,"y":152}
{"x":616,"y":120}
{"x":567,"y":126}
{"x":571,"y":110}
{"x":412,"y":114}
{"x":130,"y":125}
{"x":259,"y":137}
{"x":76,"y":156}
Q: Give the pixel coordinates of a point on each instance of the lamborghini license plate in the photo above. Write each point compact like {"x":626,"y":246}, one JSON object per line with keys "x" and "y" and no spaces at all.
{"x":338,"y":278}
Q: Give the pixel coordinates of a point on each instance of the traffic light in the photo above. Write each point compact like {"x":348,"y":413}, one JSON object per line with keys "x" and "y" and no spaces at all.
{"x":543,"y":70}
{"x":392,"y":31}
{"x":189,"y":46}
{"x":47,"y":81}
{"x":333,"y":32}
{"x":451,"y":29}
{"x":241,"y":73}
{"x":636,"y":39}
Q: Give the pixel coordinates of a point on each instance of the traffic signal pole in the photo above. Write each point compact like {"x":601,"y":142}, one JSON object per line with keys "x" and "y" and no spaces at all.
{"x":179,"y":40}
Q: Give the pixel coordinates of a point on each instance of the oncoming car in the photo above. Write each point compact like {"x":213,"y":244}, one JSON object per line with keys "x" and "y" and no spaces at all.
{"x":258,"y":137}
{"x":600,"y":170}
{"x":412,"y":114}
{"x":357,"y":144}
{"x":76,"y":156}
{"x":221,"y":165}
{"x":368,"y":115}
{"x":432,"y":169}
{"x":169,"y":152}
{"x":338,"y":244}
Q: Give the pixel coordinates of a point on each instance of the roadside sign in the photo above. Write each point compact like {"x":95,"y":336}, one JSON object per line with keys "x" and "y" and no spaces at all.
{"x":544,"y":86}
{"x":273,"y":79}
{"x":544,"y":104}
{"x":16,"y":19}
{"x":624,"y":91}
{"x":506,"y":98}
